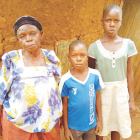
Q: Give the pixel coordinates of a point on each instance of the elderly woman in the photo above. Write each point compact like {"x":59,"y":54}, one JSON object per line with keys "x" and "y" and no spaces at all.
{"x":29,"y":90}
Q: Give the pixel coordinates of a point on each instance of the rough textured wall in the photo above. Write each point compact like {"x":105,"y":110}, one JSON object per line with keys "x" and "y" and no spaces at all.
{"x":61,"y":20}
{"x":131,"y":29}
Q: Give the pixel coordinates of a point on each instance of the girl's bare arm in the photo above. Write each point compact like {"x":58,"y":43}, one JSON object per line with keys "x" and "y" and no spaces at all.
{"x":130,"y":81}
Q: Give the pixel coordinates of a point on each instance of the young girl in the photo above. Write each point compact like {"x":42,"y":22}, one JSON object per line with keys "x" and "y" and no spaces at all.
{"x":78,"y":88}
{"x":113,"y":56}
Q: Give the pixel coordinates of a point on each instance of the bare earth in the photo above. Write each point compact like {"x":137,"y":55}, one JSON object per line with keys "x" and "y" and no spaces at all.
{"x":135,"y":124}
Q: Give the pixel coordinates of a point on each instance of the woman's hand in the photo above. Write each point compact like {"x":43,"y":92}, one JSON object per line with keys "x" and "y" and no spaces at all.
{"x":68,"y":134}
{"x":99,"y":127}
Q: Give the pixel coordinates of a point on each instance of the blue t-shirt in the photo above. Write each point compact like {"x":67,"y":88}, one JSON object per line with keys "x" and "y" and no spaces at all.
{"x":82,"y":99}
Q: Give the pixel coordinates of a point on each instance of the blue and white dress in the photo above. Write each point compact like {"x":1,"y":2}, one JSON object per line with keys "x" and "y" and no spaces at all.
{"x":30,"y":95}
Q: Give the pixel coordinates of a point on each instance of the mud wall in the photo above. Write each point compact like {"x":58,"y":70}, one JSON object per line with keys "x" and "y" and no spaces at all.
{"x":131,"y":29}
{"x":61,"y":20}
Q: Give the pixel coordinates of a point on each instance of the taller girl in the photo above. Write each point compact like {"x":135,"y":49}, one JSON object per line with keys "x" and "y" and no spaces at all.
{"x":113,"y":56}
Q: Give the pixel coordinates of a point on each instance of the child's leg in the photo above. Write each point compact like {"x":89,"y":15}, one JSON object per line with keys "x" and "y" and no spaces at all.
{"x":76,"y":135}
{"x":89,"y":135}
{"x":115,"y":135}
{"x":99,"y":137}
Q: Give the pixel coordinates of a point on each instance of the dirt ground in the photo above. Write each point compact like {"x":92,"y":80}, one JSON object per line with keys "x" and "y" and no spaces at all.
{"x":135,"y":124}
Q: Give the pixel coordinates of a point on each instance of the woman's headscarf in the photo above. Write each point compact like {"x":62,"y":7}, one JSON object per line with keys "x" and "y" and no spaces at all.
{"x":26,"y":20}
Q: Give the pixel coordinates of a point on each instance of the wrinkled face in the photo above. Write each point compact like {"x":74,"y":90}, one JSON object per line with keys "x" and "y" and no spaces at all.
{"x":78,"y":56}
{"x":112,"y":21}
{"x":29,"y":37}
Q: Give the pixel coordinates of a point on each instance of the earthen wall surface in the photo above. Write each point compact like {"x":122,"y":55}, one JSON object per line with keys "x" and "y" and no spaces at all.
{"x":61,"y":20}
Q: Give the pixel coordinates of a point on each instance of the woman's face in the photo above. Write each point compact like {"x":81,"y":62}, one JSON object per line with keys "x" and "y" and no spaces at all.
{"x":29,"y":37}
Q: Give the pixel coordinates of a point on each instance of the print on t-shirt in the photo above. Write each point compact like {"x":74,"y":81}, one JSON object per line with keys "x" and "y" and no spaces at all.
{"x":91,"y":95}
